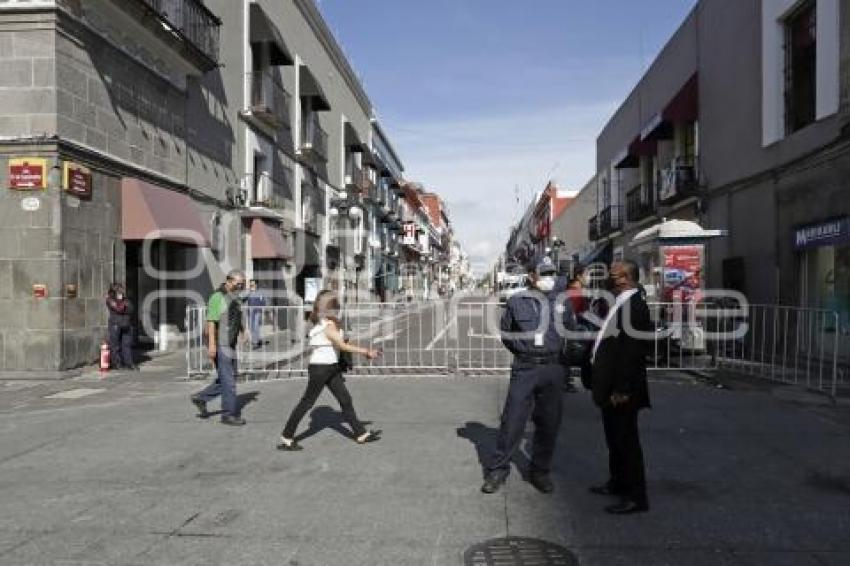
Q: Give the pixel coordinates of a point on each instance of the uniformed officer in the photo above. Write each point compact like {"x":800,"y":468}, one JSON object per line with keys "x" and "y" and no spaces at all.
{"x":530,"y":332}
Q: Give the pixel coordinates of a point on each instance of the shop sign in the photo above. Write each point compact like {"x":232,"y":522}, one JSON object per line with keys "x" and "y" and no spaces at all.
{"x":827,"y":233}
{"x":27,"y":173}
{"x":76,"y":179}
{"x":409,"y":234}
{"x":682,"y":273}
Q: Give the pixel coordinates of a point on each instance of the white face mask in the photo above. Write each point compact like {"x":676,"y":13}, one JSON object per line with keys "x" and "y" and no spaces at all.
{"x":119,"y":296}
{"x":546,"y":284}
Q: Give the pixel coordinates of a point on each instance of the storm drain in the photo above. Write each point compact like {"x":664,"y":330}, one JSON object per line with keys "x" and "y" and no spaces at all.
{"x":518,"y":551}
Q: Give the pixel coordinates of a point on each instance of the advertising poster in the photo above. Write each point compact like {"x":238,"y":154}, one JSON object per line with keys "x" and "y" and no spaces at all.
{"x":682,"y":273}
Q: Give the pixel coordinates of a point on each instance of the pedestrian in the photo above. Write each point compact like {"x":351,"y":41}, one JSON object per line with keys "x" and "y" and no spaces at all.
{"x":620,"y":388}
{"x":120,"y":325}
{"x":578,"y":295}
{"x":530,"y":332}
{"x":255,"y":300}
{"x":326,"y":341}
{"x":225,"y":328}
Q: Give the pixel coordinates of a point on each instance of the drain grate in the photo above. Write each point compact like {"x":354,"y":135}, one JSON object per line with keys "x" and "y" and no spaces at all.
{"x":518,"y":551}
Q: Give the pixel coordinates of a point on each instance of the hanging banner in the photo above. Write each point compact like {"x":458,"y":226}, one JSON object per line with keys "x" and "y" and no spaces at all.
{"x":27,"y":173}
{"x":76,"y":179}
{"x":682,"y":273}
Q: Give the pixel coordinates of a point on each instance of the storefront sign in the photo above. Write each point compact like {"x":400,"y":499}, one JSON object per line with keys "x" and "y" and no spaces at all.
{"x":76,"y":179}
{"x":827,"y":233}
{"x":409,"y":234}
{"x":682,"y":273}
{"x":27,"y":173}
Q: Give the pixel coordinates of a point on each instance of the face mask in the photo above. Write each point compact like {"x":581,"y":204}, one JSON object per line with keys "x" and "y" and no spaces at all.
{"x":119,"y":296}
{"x":546,"y":284}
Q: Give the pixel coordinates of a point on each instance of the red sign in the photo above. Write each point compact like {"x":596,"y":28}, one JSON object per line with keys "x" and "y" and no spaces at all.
{"x":27,"y":173}
{"x":682,"y":273}
{"x":77,"y":180}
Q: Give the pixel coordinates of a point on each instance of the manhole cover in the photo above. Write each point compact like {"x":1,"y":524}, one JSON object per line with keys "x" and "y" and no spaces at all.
{"x":518,"y":551}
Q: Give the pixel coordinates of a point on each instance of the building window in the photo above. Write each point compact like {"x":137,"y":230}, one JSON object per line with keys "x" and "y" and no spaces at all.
{"x":800,"y":66}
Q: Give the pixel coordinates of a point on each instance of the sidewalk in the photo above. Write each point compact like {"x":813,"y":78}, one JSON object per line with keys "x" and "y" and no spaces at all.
{"x":735,"y":477}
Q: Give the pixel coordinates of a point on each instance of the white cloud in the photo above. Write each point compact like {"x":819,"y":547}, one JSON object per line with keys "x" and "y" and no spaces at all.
{"x":477,"y":165}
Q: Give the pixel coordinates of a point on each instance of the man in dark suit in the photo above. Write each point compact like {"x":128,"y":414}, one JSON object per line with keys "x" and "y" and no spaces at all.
{"x":620,"y":388}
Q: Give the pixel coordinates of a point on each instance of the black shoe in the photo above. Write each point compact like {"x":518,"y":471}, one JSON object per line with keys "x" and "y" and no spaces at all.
{"x":371,"y":436}
{"x":493,"y":482}
{"x":291,"y":447}
{"x":202,"y":407}
{"x":233,"y":421}
{"x":542,"y":482}
{"x":627,"y":507}
{"x":604,"y":489}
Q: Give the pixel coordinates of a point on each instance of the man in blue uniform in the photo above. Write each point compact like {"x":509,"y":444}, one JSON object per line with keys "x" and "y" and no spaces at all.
{"x":532,"y":327}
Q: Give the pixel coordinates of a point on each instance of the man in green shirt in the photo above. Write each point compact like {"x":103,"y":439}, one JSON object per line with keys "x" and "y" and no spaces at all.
{"x":224,"y":327}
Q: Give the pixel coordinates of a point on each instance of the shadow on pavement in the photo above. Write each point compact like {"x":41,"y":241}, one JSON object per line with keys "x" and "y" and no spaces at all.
{"x":325,"y":417}
{"x":484,"y":439}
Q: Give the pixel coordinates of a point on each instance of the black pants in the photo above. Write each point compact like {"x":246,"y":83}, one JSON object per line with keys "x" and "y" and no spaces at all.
{"x":319,"y":377}
{"x":120,"y":346}
{"x":534,"y":392}
{"x":625,"y":456}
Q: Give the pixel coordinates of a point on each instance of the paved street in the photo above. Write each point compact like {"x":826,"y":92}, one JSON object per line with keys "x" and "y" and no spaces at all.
{"x":735,"y":477}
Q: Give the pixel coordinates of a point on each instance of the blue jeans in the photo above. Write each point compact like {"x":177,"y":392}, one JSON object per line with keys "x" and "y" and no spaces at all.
{"x":256,"y":318}
{"x":224,"y":385}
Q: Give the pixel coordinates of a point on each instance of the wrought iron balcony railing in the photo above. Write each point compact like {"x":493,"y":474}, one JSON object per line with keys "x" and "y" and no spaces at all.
{"x":638,"y":205}
{"x":679,"y":180}
{"x":269,"y":100}
{"x":610,"y":220}
{"x":193,"y":22}
{"x":593,"y":229}
{"x":314,"y":140}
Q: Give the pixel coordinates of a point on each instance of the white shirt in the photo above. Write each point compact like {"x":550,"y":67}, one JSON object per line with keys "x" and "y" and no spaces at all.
{"x":603,"y":332}
{"x":322,"y":351}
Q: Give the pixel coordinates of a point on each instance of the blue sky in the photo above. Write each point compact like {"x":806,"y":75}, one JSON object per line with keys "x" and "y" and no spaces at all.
{"x":482,"y":96}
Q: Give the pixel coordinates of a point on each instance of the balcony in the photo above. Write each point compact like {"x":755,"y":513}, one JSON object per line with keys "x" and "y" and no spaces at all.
{"x":269,"y":100}
{"x":189,"y":26}
{"x":639,"y":207}
{"x":679,"y":180}
{"x":593,"y":229}
{"x":354,"y":178}
{"x":314,"y":140}
{"x":265,"y":190}
{"x":610,"y":220}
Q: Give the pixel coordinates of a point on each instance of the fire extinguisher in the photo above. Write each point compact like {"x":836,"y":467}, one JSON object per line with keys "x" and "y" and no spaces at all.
{"x":104,"y":357}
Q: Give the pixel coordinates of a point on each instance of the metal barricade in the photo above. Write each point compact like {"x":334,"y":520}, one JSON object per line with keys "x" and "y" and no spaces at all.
{"x":786,"y":344}
{"x":792,"y":345}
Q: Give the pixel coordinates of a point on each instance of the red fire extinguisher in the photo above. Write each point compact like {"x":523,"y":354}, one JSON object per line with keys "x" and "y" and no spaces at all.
{"x":104,"y":357}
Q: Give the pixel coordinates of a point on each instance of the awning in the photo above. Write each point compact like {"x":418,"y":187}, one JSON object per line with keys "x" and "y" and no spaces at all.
{"x":352,"y":138}
{"x":685,"y":105}
{"x":310,"y":88}
{"x":263,"y":30}
{"x":267,"y":241}
{"x":676,"y":230}
{"x":657,"y":128}
{"x":149,"y":212}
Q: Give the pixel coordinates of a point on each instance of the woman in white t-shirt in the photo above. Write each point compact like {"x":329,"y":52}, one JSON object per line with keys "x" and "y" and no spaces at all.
{"x":325,"y":343}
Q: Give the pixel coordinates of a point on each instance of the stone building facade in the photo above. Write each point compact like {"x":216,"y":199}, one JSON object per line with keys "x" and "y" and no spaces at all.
{"x":205,"y":136}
